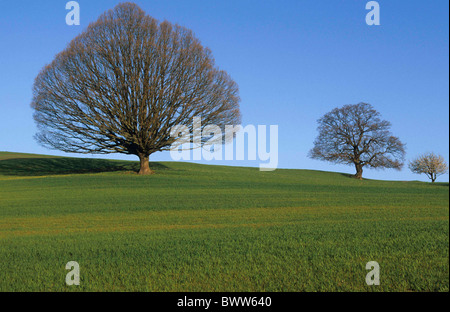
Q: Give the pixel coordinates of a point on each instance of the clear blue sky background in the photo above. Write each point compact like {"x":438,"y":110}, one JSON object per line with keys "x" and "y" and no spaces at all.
{"x":293,"y":61}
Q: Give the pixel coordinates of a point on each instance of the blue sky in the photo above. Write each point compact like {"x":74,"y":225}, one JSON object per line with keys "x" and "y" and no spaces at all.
{"x":293,"y":61}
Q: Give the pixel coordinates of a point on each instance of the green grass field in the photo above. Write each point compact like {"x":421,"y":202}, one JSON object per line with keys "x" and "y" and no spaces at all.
{"x":214,"y":228}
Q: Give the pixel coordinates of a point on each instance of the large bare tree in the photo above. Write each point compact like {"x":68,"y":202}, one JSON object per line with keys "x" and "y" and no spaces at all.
{"x":121,"y":85}
{"x":430,"y":164}
{"x":355,"y":135}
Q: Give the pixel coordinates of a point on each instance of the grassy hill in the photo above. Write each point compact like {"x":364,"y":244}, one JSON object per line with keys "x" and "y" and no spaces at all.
{"x":195,"y":227}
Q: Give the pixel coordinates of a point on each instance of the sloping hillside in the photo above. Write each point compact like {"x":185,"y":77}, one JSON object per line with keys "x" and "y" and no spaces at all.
{"x":196,"y":227}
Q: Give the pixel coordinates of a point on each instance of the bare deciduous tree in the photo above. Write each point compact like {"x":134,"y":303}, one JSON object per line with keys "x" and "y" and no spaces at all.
{"x":430,"y":164}
{"x":355,"y":135}
{"x":121,"y":85}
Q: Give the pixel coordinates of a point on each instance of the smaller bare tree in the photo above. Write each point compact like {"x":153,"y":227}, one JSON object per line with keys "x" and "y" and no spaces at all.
{"x":431,"y":164}
{"x":356,"y":135}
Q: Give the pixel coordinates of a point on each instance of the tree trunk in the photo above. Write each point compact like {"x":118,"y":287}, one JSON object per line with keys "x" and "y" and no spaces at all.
{"x":145,"y":168}
{"x":359,"y":171}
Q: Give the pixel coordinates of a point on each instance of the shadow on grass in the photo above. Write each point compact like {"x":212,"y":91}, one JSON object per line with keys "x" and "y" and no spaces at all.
{"x":55,"y":166}
{"x":446,"y":184}
{"x":347,"y":175}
